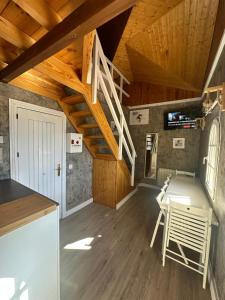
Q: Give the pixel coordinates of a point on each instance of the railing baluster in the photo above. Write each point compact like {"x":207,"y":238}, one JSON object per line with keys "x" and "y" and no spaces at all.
{"x":111,"y":66}
{"x":121,"y":137}
{"x":133,"y":169}
{"x":121,"y":89}
{"x":106,"y":73}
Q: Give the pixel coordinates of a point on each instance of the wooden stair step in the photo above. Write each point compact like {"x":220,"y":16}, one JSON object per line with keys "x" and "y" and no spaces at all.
{"x":74,"y":99}
{"x":104,"y":156}
{"x":79,"y":114}
{"x":88,"y":126}
{"x":94,"y":137}
{"x":100,"y":147}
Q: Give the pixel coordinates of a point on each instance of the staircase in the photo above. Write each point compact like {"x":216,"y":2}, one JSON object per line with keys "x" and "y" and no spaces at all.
{"x":88,"y":117}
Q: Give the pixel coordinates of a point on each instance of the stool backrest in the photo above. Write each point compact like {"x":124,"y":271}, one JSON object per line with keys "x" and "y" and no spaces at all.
{"x":189,"y":226}
{"x":160,"y":197}
{"x":178,"y":172}
{"x":164,"y":188}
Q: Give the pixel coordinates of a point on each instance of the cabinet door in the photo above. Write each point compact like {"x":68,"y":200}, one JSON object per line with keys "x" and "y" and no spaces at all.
{"x":29,"y":258}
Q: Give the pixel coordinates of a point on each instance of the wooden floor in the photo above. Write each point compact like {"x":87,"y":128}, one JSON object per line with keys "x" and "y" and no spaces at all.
{"x":119,"y":263}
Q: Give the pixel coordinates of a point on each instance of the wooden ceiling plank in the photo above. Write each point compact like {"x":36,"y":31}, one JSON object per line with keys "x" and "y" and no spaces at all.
{"x":88,"y":44}
{"x":53,"y":67}
{"x":3,"y":4}
{"x":24,"y":82}
{"x":29,"y":81}
{"x":86,"y":18}
{"x":174,"y":38}
{"x":41,"y":12}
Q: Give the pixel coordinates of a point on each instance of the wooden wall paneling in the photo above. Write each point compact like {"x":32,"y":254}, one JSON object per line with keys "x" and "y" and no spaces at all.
{"x":104,"y":182}
{"x":123,"y":180}
{"x":146,"y":93}
{"x":111,"y":181}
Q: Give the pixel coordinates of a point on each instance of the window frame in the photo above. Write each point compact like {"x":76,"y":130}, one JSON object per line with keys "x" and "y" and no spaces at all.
{"x":213,"y":159}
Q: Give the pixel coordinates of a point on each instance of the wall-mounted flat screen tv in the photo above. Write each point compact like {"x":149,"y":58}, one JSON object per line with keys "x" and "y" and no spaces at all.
{"x":179,"y":120}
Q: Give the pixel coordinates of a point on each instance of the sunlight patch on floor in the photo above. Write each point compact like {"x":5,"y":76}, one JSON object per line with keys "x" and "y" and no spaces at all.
{"x":84,"y":244}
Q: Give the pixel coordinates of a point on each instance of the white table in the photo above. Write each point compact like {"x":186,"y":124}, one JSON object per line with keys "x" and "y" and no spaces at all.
{"x":188,"y":191}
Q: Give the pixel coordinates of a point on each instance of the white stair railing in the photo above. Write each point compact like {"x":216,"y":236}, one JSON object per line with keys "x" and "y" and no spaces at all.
{"x":103,"y":71}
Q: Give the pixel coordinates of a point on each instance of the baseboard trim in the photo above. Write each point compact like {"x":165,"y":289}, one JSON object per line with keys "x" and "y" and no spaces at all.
{"x":77,"y":208}
{"x":212,"y":284}
{"x":125,"y":199}
{"x":149,"y":186}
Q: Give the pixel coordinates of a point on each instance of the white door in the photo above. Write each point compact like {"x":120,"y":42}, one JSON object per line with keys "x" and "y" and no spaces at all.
{"x":40,"y":152}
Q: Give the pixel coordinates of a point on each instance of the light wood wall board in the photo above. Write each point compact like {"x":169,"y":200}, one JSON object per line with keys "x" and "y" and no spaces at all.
{"x":123,"y":186}
{"x":111,"y":182}
{"x":174,"y":47}
{"x":147,"y":93}
{"x":104,"y":182}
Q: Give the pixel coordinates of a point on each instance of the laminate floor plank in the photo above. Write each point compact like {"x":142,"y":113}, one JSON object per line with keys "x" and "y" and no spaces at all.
{"x":118,"y":264}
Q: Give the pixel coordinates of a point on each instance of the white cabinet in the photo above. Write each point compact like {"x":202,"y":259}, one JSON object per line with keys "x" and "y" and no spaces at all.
{"x":29,"y":261}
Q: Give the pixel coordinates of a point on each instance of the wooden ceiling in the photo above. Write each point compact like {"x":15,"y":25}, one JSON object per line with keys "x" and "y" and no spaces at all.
{"x":164,"y":42}
{"x":34,"y":57}
{"x":167,"y":42}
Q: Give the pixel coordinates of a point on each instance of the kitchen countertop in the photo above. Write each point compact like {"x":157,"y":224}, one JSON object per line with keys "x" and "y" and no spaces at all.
{"x":11,"y":190}
{"x":20,"y":205}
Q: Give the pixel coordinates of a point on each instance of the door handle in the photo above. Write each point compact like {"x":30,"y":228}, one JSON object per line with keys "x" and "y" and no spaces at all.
{"x":58,"y":169}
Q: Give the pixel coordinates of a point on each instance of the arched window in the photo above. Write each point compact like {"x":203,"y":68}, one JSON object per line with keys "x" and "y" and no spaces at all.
{"x":212,"y":158}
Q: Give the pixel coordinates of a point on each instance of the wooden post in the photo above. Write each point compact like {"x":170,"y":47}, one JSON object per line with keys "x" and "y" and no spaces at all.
{"x":95,"y":74}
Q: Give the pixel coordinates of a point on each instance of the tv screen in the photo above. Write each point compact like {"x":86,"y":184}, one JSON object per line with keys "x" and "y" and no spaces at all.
{"x":179,"y":120}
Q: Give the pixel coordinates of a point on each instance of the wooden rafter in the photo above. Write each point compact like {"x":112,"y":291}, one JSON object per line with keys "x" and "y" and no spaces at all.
{"x":53,"y":67}
{"x":84,"y":19}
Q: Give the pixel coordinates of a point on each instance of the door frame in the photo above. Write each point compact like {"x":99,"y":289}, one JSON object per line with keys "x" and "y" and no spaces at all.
{"x":13,"y":105}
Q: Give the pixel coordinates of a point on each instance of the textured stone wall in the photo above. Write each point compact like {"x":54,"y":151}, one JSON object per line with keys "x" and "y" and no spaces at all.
{"x":183,"y":159}
{"x":79,"y":179}
{"x":218,"y":239}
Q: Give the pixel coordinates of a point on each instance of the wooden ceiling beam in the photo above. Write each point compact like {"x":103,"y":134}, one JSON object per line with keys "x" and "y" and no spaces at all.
{"x":84,"y":19}
{"x":53,"y":67}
